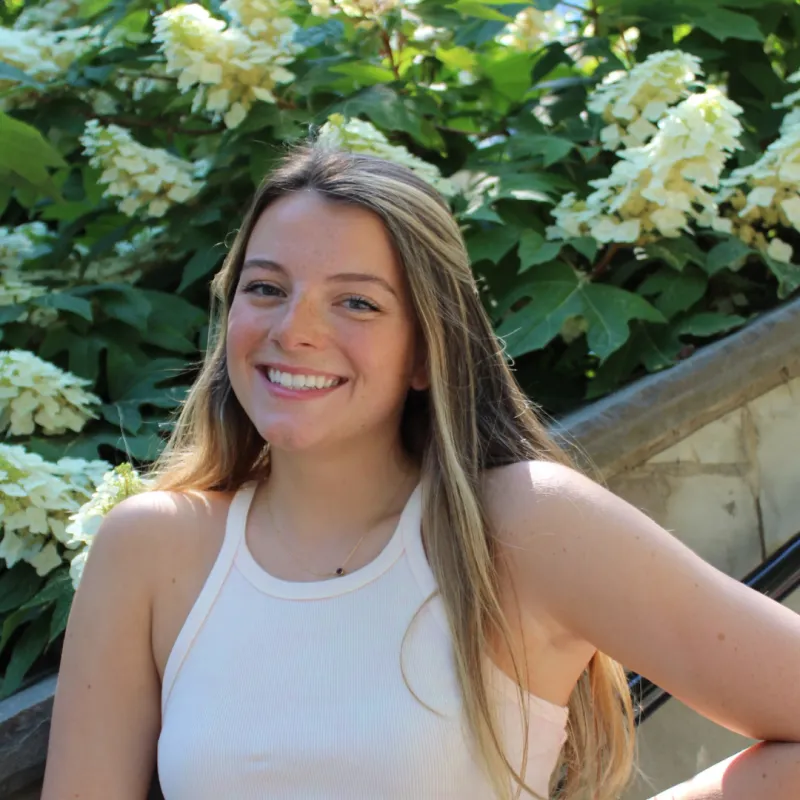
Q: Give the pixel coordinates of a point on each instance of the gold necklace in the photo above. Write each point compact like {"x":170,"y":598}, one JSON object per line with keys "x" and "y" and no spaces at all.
{"x":337,"y":573}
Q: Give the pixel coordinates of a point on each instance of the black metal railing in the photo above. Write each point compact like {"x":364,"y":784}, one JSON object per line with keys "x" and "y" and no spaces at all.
{"x":776,"y":578}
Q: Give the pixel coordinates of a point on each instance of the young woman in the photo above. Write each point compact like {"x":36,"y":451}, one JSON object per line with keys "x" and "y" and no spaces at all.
{"x":367,"y":572}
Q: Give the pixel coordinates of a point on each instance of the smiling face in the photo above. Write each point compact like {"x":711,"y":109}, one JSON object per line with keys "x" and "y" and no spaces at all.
{"x":320,"y":344}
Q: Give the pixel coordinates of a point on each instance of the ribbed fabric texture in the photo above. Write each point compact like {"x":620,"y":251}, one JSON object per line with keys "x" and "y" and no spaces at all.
{"x":292,"y":690}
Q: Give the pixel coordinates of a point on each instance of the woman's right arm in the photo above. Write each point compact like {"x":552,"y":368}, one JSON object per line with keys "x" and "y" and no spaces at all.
{"x":106,"y":714}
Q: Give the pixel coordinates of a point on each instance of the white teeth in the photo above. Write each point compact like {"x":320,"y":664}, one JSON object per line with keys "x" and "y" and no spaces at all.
{"x":305,"y":382}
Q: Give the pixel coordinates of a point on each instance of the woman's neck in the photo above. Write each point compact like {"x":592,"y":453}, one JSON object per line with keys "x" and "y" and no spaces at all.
{"x":331,"y":496}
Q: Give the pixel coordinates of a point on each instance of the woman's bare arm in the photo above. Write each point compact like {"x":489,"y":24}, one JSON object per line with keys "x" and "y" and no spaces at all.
{"x":106,"y":715}
{"x":766,"y":771}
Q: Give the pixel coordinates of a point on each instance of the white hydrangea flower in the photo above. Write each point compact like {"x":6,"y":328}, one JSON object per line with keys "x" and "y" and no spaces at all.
{"x":658,"y":189}
{"x":34,"y":392}
{"x":51,"y":15}
{"x":117,"y":484}
{"x":531,"y":29}
{"x":148,"y":179}
{"x":633,"y":102}
{"x":42,"y":54}
{"x":22,"y":243}
{"x":230,"y":68}
{"x":765,"y":196}
{"x":16,"y":289}
{"x":368,"y":11}
{"x":361,"y":136}
{"x":266,"y":20}
{"x":37,"y":499}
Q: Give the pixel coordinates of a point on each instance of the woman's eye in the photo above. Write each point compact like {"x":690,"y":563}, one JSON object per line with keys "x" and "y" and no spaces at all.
{"x":262,"y":289}
{"x":361,"y":304}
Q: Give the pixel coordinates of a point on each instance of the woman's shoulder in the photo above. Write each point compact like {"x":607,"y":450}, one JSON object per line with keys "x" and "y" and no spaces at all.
{"x":524,"y":486}
{"x":168,"y":542}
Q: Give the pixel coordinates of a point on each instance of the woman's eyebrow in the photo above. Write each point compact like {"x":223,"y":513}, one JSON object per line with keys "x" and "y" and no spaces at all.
{"x":340,"y":277}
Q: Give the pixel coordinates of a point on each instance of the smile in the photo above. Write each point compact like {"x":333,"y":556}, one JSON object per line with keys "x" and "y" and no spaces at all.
{"x":308,"y":382}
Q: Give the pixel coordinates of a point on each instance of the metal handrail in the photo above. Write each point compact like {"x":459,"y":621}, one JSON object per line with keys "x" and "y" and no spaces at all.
{"x":777,"y":578}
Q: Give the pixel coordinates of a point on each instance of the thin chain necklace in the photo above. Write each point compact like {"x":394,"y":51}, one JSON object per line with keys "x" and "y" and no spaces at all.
{"x":337,"y":573}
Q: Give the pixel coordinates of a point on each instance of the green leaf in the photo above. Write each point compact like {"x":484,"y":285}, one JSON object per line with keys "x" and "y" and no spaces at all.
{"x":91,"y":8}
{"x":13,"y":621}
{"x":723,"y":24}
{"x":11,"y":313}
{"x":459,"y":58}
{"x":551,"y":148}
{"x":533,"y":250}
{"x":26,"y":152}
{"x":658,"y":347}
{"x":64,"y":301}
{"x":365,"y":74}
{"x":677,"y":291}
{"x":11,"y":73}
{"x":491,"y":245}
{"x":729,"y":253}
{"x":585,"y":245}
{"x":17,"y":586}
{"x":25,"y":652}
{"x":556,"y":293}
{"x":58,"y":622}
{"x":676,"y":253}
{"x":126,"y":415}
{"x":125,"y":303}
{"x":477,"y":9}
{"x":58,"y":585}
{"x":608,"y":310}
{"x":199,"y":265}
{"x":788,"y":275}
{"x":554,"y":296}
{"x":509,"y":72}
{"x":708,"y":323}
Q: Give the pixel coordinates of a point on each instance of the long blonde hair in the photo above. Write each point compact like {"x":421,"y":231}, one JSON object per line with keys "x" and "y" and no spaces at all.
{"x":473,"y":417}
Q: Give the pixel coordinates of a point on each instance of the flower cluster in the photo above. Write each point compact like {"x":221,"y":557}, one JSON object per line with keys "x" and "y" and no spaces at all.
{"x":117,"y":484}
{"x":230,"y":68}
{"x":368,"y":11}
{"x":266,"y":20}
{"x":633,"y":102}
{"x":145,"y":177}
{"x":44,"y":55}
{"x":35,"y":392}
{"x":50,"y":15}
{"x":22,"y":243}
{"x":37,"y":499}
{"x":124,"y":264}
{"x":531,"y":29}
{"x":360,"y":136}
{"x":757,"y":199}
{"x":655,"y":190}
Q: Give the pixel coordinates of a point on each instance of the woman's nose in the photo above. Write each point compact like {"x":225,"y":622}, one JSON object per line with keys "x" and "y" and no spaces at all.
{"x":298,"y":324}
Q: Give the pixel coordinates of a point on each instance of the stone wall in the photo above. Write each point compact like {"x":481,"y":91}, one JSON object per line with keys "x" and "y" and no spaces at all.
{"x":711,"y":451}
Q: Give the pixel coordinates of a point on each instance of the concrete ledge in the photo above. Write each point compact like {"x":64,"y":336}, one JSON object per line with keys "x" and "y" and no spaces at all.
{"x":24,"y":729}
{"x":628,"y":427}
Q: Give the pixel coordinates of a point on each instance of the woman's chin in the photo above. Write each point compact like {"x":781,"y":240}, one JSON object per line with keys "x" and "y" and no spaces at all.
{"x":289,"y":437}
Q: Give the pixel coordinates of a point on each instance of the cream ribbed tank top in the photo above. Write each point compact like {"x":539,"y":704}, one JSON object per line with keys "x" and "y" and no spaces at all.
{"x":293,"y":690}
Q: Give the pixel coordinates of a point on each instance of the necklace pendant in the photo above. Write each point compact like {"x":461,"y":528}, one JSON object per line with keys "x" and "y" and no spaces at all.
{"x":340,"y":571}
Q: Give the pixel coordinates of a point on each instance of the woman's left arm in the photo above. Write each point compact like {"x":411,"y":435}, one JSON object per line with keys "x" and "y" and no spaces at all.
{"x":766,"y":771}
{"x":611,"y":576}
